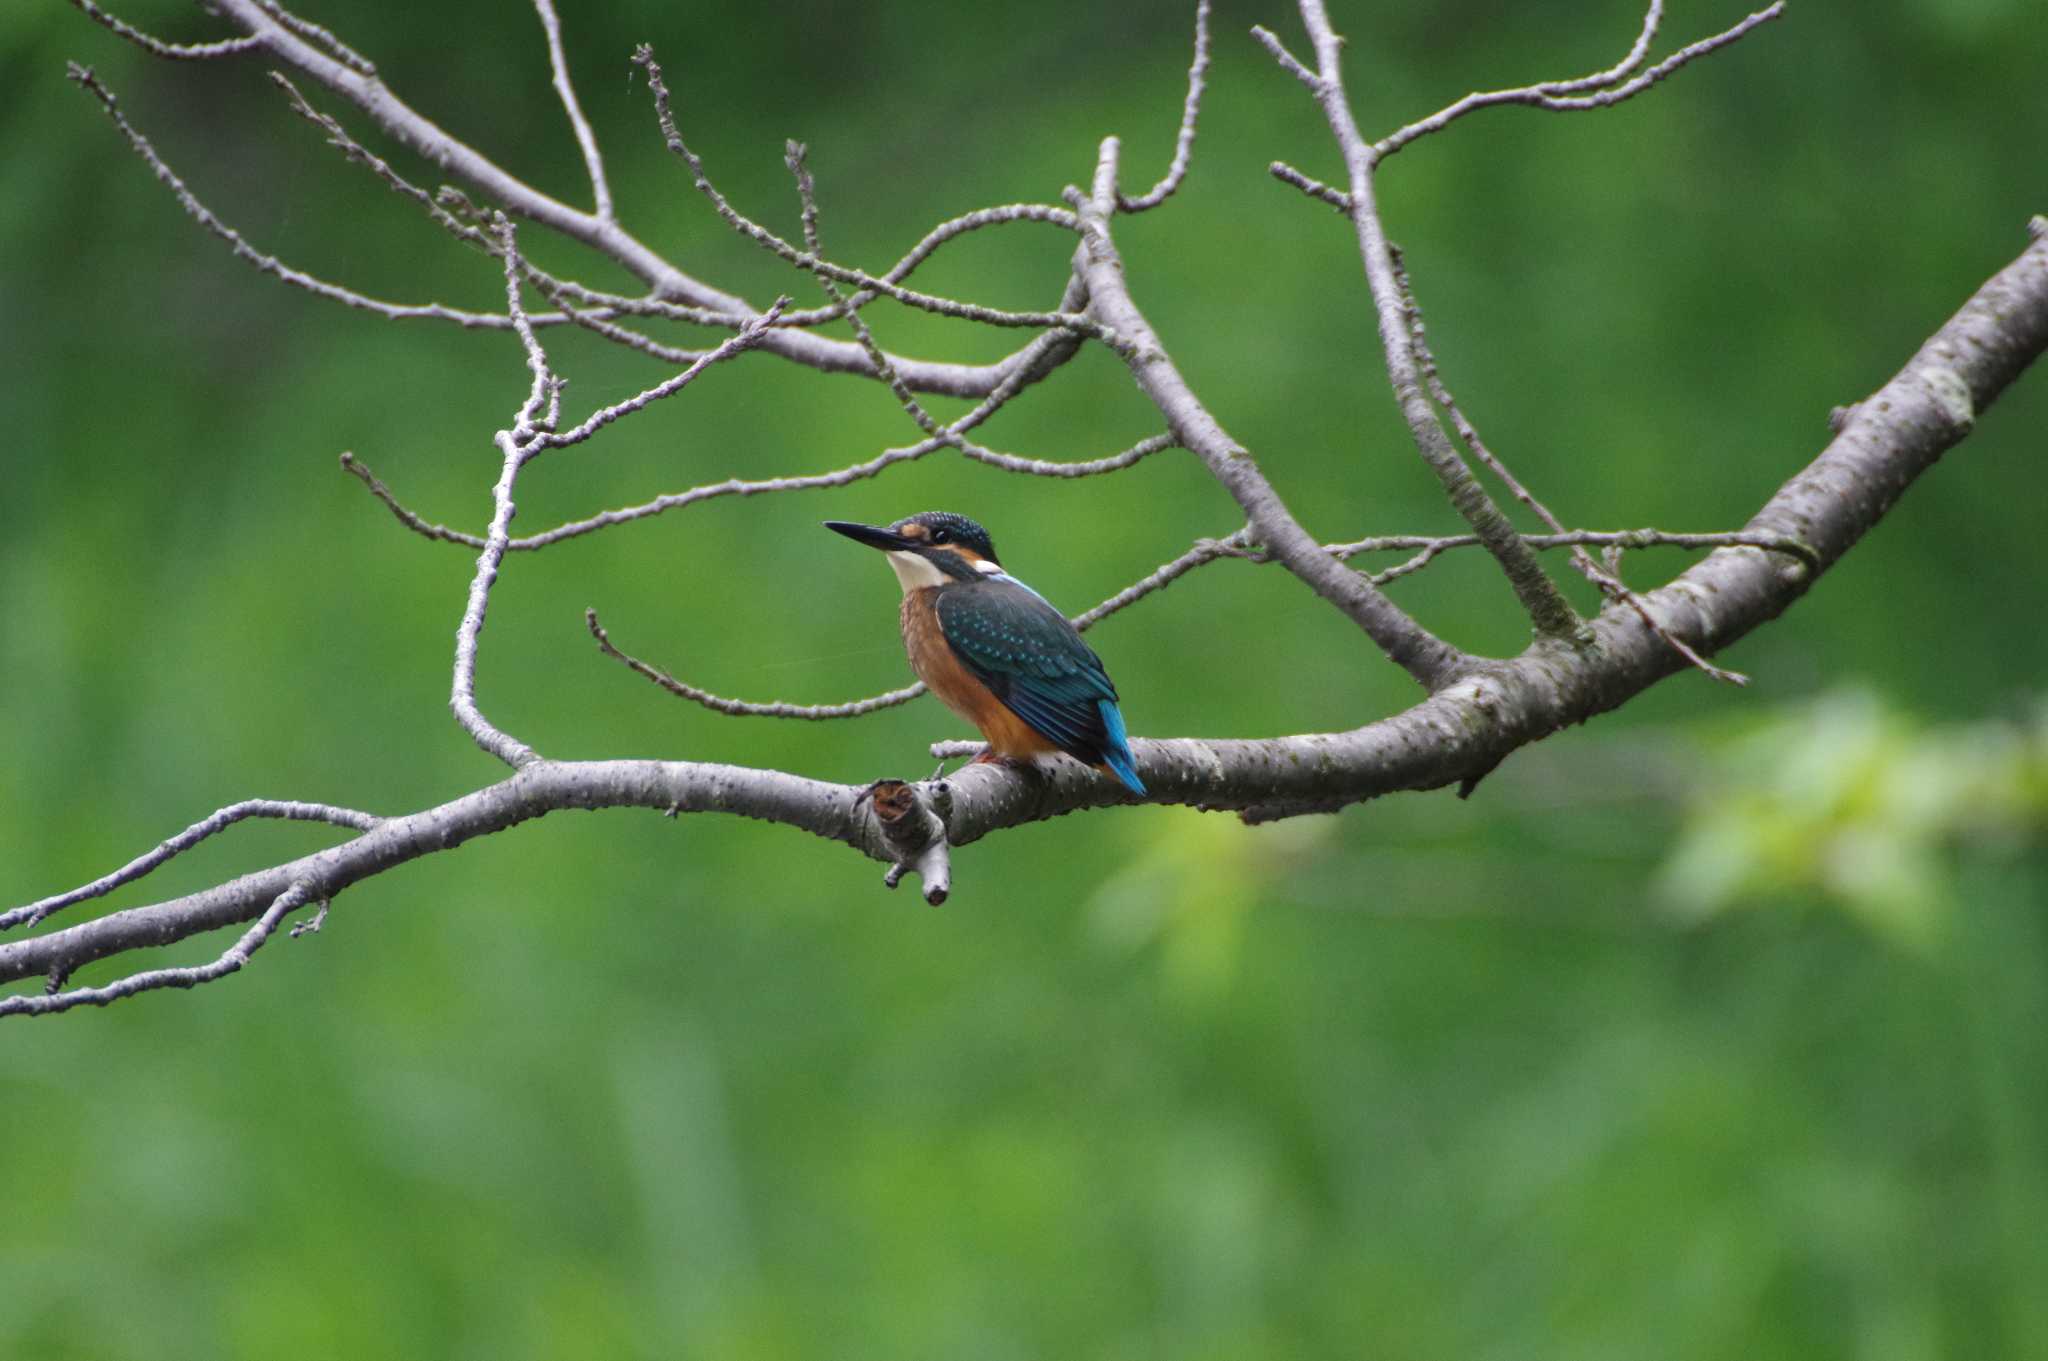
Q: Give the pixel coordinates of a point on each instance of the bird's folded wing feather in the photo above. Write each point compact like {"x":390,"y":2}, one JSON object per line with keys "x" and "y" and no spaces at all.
{"x":1027,"y":653}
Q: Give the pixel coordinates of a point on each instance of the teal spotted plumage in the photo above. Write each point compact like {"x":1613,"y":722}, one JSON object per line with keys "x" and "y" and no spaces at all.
{"x":1031,"y":658}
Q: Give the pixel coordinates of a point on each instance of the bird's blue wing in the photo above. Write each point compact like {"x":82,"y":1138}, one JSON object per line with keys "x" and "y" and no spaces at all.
{"x":1027,"y":653}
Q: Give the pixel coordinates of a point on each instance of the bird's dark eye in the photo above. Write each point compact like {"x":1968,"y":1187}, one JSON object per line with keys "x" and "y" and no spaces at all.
{"x":941,"y":536}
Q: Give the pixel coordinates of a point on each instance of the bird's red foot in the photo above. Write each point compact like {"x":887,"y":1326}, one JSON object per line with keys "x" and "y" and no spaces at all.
{"x":1021,"y":765}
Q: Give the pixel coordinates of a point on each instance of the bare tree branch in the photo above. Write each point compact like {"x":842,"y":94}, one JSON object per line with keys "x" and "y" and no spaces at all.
{"x":1314,"y":188}
{"x":586,"y":137}
{"x":1191,"y":113}
{"x":1288,"y":62}
{"x":405,"y":125}
{"x":232,"y":959}
{"x":748,"y":708}
{"x":1477,"y":710}
{"x":530,"y":434}
{"x":1433,"y":662}
{"x":1608,"y":581}
{"x":1045,"y":353}
{"x":285,"y":809}
{"x":1547,"y":608}
{"x":268,"y":264}
{"x":1581,"y":538}
{"x":1463,"y":729}
{"x":811,"y":262}
{"x":1562,"y":96}
{"x":157,"y":47}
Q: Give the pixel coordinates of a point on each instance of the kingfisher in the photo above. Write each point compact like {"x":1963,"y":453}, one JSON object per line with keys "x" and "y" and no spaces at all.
{"x":995,"y":651}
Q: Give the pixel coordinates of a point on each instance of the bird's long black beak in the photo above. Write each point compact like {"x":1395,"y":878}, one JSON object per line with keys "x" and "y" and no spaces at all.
{"x":874,"y":536}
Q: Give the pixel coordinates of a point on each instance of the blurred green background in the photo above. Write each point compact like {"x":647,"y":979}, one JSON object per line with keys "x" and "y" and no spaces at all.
{"x":1718,"y":1028}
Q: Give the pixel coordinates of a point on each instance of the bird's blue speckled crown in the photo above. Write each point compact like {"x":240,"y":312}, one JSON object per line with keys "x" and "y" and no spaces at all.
{"x":944,"y":526}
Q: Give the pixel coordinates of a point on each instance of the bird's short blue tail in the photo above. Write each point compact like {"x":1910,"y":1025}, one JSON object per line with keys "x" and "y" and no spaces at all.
{"x":1116,"y":747}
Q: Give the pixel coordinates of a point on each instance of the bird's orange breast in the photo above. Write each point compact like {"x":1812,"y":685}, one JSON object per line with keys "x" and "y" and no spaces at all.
{"x":932,"y":658}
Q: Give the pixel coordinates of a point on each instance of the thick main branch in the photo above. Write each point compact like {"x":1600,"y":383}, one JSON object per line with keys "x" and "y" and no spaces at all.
{"x":1458,"y":733}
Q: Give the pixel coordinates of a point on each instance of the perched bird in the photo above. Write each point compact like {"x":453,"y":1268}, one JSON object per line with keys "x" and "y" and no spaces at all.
{"x":995,"y":650}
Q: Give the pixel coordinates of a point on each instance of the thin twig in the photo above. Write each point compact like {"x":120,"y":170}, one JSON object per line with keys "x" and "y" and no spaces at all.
{"x":748,"y":708}
{"x":357,"y":469}
{"x":1047,"y":467}
{"x":796,"y":157}
{"x":533,"y":432}
{"x":1204,"y":551}
{"x":1289,"y":63}
{"x":746,"y":338}
{"x":1047,"y":349}
{"x":939,"y":236}
{"x":268,"y":264}
{"x":230,"y":960}
{"x":1414,"y":564}
{"x":565,"y":293}
{"x":586,"y":138}
{"x":1653,"y":16}
{"x":1607,"y":580}
{"x":1190,"y":114}
{"x":1561,"y":96}
{"x":285,"y":809}
{"x":1587,"y":538}
{"x":339,"y":138}
{"x":825,"y":269}
{"x":1549,"y":611}
{"x":157,"y":47}
{"x":1314,"y":188}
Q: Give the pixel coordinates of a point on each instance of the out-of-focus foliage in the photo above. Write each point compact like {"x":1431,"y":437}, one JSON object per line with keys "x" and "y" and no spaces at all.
{"x":1428,"y":1079}
{"x":1189,"y":891}
{"x":1851,"y":802}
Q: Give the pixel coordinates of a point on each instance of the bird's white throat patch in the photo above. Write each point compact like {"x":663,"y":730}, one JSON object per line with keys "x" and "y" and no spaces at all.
{"x":914,"y":572}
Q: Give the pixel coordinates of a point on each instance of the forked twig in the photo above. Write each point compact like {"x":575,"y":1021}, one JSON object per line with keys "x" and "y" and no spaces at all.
{"x":269,"y":264}
{"x":230,"y":960}
{"x":1549,"y":611}
{"x":812,"y":263}
{"x":285,"y":809}
{"x":1608,"y":582}
{"x":1567,"y":96}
